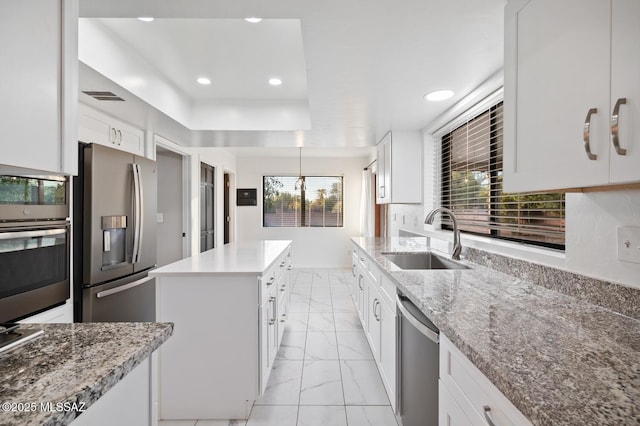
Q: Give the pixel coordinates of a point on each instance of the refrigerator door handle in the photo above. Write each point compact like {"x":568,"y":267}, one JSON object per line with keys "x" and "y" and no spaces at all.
{"x":137,"y":225}
{"x":140,"y":212}
{"x":122,"y":288}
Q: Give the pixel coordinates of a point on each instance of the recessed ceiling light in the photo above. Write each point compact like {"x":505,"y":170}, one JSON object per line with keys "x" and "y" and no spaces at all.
{"x":203,"y":80}
{"x":275,"y":81}
{"x":253,"y":19}
{"x":438,"y":95}
{"x":146,"y":18}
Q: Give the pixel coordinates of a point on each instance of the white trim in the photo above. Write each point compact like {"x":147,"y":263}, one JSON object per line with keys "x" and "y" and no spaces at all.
{"x":469,"y":103}
{"x":482,"y":106}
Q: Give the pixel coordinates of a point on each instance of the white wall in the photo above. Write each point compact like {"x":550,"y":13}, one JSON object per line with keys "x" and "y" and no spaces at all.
{"x":592,"y":219}
{"x":591,"y":222}
{"x":312,"y":247}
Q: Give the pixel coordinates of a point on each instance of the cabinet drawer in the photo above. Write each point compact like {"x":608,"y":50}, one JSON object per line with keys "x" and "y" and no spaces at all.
{"x":464,"y":380}
{"x":453,"y":411}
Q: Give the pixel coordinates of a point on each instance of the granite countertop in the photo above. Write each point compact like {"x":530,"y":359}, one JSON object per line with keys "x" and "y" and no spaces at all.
{"x":559,"y":360}
{"x":71,"y":363}
{"x":242,"y":257}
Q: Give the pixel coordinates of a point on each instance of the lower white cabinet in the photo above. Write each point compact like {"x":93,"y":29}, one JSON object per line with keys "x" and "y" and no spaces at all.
{"x":129,"y":402}
{"x":377,"y":312}
{"x":227,"y":332}
{"x":467,"y":396}
{"x":449,"y":412}
{"x":388,"y":344}
{"x":96,"y":127}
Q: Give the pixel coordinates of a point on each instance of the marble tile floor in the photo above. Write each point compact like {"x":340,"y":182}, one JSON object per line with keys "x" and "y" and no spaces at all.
{"x":324,"y":374}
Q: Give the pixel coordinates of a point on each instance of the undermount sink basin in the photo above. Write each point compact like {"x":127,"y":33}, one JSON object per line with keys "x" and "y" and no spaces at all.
{"x":425,"y":260}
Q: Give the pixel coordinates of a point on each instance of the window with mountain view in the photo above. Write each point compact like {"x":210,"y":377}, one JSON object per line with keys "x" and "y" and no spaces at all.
{"x":319,"y":203}
{"x":472,"y":188}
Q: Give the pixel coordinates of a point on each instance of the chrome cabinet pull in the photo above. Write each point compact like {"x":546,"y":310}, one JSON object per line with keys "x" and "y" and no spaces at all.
{"x":271,"y":281}
{"x":114,"y":136}
{"x":487,"y":415}
{"x":615,"y":128}
{"x":376,"y":302}
{"x":360,"y":282}
{"x":119,"y":138}
{"x":586,"y":134}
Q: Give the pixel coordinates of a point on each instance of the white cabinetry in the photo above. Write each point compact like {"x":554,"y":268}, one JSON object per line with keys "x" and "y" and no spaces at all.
{"x":467,"y":397}
{"x":374,"y":296}
{"x":129,"y":402}
{"x":96,"y":127}
{"x":571,"y":89}
{"x":39,"y":45}
{"x":399,"y":168}
{"x":227,"y":332}
{"x":273,"y":313}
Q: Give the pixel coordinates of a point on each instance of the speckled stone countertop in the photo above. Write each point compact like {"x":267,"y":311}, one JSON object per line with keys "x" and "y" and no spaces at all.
{"x":71,"y":363}
{"x":559,"y":360}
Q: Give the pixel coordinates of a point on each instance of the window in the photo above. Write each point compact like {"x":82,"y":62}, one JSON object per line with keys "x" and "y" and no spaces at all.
{"x":472,"y":188}
{"x":322,"y":206}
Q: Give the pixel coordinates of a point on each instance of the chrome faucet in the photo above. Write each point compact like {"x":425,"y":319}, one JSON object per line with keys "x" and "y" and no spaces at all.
{"x":457,"y":247}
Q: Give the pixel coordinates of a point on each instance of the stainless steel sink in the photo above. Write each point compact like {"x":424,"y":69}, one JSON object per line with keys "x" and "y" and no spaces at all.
{"x":424,"y":260}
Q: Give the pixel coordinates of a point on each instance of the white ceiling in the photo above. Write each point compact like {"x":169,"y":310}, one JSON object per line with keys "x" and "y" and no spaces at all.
{"x":361,"y":67}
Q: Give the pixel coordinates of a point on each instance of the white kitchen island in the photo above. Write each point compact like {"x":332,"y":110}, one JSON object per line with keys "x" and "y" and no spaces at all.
{"x":229,"y":306}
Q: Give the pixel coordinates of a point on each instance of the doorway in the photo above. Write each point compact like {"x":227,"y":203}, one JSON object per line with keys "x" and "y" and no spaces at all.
{"x":207,"y":235}
{"x":171,"y":231}
{"x":227,"y":208}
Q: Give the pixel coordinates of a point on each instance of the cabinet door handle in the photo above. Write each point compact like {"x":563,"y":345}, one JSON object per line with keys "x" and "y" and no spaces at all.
{"x":586,"y":134}
{"x":271,"y":280}
{"x":376,"y":302}
{"x":614,"y":126}
{"x":360,"y":282}
{"x":487,"y":415}
{"x":114,"y":135}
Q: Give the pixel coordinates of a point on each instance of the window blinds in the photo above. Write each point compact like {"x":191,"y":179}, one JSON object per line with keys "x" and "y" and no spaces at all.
{"x":471,"y":186}
{"x":322,"y":207}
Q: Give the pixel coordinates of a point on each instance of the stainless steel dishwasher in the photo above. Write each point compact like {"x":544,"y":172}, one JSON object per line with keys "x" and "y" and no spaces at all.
{"x":418,"y":355}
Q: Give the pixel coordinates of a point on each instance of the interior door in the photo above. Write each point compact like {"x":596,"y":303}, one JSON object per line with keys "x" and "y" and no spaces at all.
{"x":170,"y":234}
{"x":206,"y":207}
{"x":227,"y":212}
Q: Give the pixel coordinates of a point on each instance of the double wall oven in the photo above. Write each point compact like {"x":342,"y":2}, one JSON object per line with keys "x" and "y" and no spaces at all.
{"x":34,"y":245}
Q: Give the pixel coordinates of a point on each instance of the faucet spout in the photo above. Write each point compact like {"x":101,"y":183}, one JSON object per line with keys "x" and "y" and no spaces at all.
{"x":457,"y":247}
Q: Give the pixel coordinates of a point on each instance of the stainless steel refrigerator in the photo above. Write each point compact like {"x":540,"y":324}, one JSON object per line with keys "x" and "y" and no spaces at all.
{"x":114,"y":223}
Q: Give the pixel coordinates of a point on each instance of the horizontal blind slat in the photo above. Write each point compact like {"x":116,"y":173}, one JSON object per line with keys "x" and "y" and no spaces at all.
{"x":471,"y":163}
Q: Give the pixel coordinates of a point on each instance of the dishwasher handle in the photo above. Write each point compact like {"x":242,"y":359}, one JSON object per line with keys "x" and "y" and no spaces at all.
{"x":423,"y":329}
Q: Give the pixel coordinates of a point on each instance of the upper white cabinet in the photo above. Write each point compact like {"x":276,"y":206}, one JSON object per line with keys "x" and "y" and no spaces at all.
{"x":572,"y":116}
{"x":39,"y":45}
{"x":96,"y":127}
{"x":399,"y":168}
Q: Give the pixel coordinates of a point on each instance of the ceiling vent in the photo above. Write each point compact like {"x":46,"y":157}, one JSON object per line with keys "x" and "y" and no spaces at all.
{"x":103,"y":96}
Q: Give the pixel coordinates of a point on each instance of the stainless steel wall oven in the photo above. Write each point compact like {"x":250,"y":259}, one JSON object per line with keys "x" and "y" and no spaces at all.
{"x":34,"y":245}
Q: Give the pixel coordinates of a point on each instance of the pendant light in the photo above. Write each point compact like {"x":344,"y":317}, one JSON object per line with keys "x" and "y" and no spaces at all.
{"x":300,"y":183}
